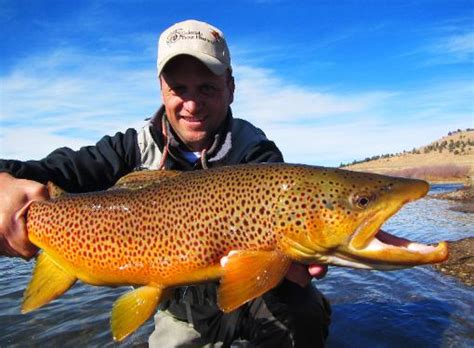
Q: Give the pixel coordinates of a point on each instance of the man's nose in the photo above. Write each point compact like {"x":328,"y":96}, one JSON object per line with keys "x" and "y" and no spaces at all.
{"x":193,"y":104}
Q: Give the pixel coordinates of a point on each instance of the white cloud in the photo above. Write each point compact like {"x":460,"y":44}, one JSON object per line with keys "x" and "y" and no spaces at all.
{"x":452,"y":49}
{"x":263,"y":97}
{"x":71,"y":98}
{"x":27,"y":143}
{"x":461,"y":43}
{"x":344,"y":142}
{"x":62,"y":107}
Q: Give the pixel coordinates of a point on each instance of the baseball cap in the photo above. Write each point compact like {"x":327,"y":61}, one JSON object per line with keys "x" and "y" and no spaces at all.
{"x":198,"y":39}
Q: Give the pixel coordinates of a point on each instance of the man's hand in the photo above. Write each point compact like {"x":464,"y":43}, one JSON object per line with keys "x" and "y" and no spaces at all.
{"x":16,"y":195}
{"x":302,"y":274}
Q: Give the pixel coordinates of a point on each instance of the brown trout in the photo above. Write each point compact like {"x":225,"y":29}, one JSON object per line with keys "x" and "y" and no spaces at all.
{"x":242,"y":225}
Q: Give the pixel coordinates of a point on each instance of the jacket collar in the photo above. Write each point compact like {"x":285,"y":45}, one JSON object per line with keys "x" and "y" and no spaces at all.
{"x":164,"y":135}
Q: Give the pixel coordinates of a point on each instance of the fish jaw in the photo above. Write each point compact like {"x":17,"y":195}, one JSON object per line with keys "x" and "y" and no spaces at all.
{"x":388,"y":252}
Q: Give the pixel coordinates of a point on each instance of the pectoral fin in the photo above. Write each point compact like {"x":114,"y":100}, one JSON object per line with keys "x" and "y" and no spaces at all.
{"x":49,"y":281}
{"x":131,"y":310}
{"x":249,"y":274}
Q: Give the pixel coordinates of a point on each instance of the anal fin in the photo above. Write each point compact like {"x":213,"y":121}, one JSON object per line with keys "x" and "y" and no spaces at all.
{"x":248,"y":274}
{"x":48,"y":282}
{"x":132,"y":309}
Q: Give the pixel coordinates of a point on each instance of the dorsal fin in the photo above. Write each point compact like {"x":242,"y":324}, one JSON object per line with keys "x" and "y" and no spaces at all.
{"x":54,"y":190}
{"x":143,"y":178}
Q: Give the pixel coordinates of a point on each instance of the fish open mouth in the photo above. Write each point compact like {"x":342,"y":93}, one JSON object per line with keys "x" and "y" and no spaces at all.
{"x":383,"y":239}
{"x":393,"y":246}
{"x":382,"y":250}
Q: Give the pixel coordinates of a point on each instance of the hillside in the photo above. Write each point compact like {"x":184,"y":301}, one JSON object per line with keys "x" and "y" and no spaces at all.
{"x":449,"y":159}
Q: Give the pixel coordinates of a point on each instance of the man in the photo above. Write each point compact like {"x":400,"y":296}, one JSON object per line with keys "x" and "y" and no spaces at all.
{"x":194,"y":129}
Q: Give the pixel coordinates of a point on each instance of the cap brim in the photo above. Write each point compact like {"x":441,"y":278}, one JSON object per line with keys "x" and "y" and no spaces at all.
{"x":213,"y":64}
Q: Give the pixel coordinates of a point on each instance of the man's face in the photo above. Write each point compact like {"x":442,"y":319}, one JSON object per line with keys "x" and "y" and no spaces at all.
{"x":196,"y":101}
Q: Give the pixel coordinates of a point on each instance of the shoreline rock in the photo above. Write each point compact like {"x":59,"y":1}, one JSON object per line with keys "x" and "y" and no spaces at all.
{"x":464,"y":196}
{"x":460,"y":263}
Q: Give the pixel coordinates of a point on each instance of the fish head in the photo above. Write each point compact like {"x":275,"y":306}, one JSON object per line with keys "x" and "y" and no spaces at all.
{"x":338,"y":221}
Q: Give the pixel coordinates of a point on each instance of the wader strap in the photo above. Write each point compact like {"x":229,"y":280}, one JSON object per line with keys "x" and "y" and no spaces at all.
{"x":189,"y":315}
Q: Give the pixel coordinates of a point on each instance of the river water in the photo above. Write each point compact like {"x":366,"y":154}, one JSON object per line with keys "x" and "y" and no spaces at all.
{"x":415,"y":307}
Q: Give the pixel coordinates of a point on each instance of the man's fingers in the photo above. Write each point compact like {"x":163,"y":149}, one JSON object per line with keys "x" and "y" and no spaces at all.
{"x":20,"y":241}
{"x":18,"y":247}
{"x":318,"y":271}
{"x":302,"y":274}
{"x":17,"y":195}
{"x":298,"y":273}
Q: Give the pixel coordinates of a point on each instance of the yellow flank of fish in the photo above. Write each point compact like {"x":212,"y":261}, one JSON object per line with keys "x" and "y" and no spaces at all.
{"x":241,"y":224}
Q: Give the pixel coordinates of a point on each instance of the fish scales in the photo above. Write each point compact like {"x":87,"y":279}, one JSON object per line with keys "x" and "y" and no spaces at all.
{"x":241,"y":224}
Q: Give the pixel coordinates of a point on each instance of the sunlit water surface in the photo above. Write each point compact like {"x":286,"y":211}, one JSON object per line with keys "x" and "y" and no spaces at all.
{"x":416,"y":307}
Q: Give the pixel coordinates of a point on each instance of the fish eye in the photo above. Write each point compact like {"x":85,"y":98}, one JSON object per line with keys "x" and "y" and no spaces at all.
{"x":362,"y":200}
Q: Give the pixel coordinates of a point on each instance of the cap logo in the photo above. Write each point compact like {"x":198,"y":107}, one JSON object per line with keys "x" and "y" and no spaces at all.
{"x":182,"y":34}
{"x":216,"y":35}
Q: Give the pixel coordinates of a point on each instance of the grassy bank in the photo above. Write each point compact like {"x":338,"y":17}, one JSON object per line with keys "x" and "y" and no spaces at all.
{"x":435,"y":173}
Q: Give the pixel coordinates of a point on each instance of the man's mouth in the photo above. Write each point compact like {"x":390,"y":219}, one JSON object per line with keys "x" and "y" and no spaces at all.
{"x":192,"y":122}
{"x":193,"y":119}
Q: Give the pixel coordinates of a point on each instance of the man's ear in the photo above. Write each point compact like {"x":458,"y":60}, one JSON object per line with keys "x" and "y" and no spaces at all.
{"x":161,"y":87}
{"x":231,"y":86}
{"x":160,"y":81}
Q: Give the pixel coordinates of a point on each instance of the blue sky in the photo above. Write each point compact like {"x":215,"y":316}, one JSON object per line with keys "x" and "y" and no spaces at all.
{"x":329,"y":81}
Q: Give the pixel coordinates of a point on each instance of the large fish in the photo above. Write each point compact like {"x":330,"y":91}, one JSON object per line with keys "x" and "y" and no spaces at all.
{"x":241,"y":224}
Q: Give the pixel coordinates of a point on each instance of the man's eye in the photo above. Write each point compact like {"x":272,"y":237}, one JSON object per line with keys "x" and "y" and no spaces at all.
{"x":208,"y":89}
{"x":178,"y":89}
